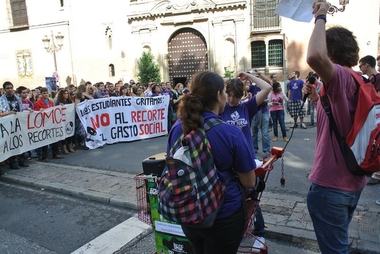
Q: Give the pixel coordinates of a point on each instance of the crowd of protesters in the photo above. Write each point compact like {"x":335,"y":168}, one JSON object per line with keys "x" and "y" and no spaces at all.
{"x":40,"y":98}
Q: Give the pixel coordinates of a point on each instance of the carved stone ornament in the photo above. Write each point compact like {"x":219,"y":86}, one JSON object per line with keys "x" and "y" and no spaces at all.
{"x":168,"y":7}
{"x":333,"y":9}
{"x":180,"y":5}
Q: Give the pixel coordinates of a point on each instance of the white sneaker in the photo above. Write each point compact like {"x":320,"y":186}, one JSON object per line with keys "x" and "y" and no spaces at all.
{"x":258,"y":244}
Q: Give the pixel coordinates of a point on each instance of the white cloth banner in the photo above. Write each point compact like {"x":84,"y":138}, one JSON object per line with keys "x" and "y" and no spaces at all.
{"x":117,"y":119}
{"x":26,"y":130}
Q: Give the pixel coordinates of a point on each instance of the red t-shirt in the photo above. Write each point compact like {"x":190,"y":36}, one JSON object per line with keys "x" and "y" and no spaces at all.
{"x":42,"y":104}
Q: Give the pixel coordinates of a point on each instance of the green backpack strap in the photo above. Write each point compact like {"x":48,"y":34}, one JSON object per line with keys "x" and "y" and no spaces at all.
{"x":211,"y":122}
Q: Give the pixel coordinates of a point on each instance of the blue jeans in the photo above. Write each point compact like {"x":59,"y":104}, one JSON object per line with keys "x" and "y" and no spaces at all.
{"x":259,"y":225}
{"x":270,"y":122}
{"x":311,"y":109}
{"x":331,"y":211}
{"x":261,"y":121}
{"x":278,"y":115}
{"x":169,"y":117}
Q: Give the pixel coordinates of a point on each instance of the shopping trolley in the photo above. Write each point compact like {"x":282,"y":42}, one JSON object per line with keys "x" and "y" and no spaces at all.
{"x":253,"y":199}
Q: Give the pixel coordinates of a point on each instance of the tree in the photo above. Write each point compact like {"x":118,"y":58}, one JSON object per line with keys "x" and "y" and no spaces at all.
{"x":228,"y":74}
{"x":148,"y":70}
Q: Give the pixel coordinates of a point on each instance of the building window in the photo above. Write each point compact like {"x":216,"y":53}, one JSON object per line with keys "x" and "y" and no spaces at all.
{"x":24,"y":63}
{"x":258,"y":54}
{"x":263,"y":14}
{"x":275,"y":54}
{"x":109,"y":37}
{"x":19,"y":13}
{"x":111,"y":70}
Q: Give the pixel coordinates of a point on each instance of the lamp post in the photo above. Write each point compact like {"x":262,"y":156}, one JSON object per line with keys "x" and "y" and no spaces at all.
{"x":333,"y":9}
{"x":51,"y":46}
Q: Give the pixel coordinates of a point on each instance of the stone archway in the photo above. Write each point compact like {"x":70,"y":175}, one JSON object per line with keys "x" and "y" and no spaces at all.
{"x":187,"y":54}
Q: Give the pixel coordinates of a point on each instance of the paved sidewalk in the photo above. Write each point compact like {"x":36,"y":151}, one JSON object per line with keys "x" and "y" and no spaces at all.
{"x":286,"y":216}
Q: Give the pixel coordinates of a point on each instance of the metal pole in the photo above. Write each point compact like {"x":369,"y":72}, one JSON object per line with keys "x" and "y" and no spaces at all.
{"x":55,"y":61}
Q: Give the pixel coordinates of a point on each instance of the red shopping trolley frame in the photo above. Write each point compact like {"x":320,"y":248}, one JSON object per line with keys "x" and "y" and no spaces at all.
{"x":262,"y":171}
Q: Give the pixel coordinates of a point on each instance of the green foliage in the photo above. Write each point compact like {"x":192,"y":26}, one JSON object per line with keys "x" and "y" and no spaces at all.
{"x":228,"y":74}
{"x":148,"y":70}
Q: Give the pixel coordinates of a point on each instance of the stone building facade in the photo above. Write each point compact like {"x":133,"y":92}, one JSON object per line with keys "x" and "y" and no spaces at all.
{"x":103,"y":40}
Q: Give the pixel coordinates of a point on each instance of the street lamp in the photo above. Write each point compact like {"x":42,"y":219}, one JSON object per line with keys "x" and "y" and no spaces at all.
{"x":51,"y":46}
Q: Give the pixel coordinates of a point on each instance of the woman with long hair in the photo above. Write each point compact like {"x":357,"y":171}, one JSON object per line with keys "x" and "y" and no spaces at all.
{"x":80,"y":133}
{"x":63,"y":98}
{"x":176,"y":100}
{"x":82,"y":95}
{"x":140,"y":91}
{"x":124,"y":91}
{"x":92,"y":91}
{"x":156,"y":90}
{"x":232,"y":157}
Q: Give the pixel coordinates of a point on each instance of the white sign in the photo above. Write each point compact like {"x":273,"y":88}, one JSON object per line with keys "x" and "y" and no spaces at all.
{"x":26,"y":130}
{"x":298,"y":10}
{"x":169,"y":228}
{"x":118,"y":119}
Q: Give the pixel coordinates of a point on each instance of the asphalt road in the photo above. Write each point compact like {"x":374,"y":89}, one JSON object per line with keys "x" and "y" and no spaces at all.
{"x":294,"y":166}
{"x":38,"y":221}
{"x":60,"y":224}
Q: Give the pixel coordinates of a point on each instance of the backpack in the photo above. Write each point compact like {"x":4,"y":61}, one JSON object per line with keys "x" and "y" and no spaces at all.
{"x":190,"y":191}
{"x":361,"y":147}
{"x":371,"y":79}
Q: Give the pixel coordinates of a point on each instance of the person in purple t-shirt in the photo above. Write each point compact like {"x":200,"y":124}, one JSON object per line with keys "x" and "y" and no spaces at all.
{"x":240,"y":114}
{"x":335,"y":191}
{"x":295,"y":99}
{"x":232,"y":157}
{"x":102,"y":91}
{"x":167,"y":92}
{"x":27,"y":105}
{"x":156,"y":90}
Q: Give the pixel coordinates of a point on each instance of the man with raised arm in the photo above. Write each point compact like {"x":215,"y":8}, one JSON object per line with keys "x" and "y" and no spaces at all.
{"x":334,"y":192}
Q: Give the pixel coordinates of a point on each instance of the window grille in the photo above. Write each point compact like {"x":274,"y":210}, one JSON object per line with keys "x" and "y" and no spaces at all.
{"x":19,"y":13}
{"x":111,"y":69}
{"x":275,"y":54}
{"x":263,"y":14}
{"x":258,"y":54}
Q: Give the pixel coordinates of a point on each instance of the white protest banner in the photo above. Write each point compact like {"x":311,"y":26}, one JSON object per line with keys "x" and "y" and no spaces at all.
{"x":26,"y":130}
{"x":118,"y":119}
